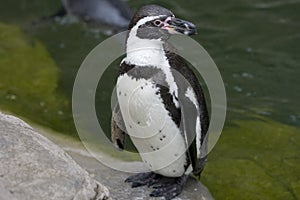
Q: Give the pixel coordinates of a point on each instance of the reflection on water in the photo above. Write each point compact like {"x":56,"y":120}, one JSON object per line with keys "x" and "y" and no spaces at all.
{"x":255,"y":44}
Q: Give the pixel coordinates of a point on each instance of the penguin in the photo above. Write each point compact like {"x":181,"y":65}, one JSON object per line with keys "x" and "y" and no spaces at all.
{"x":114,"y":13}
{"x":161,"y":105}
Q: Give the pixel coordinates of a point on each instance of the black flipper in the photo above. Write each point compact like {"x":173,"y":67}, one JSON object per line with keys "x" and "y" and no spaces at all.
{"x":189,"y":114}
{"x":180,"y":67}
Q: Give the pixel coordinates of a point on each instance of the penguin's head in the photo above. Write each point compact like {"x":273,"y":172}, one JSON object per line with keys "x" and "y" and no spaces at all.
{"x":157,"y":23}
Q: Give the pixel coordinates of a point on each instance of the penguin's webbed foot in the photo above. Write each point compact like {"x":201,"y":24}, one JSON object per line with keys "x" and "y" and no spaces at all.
{"x":142,"y":179}
{"x":169,"y":190}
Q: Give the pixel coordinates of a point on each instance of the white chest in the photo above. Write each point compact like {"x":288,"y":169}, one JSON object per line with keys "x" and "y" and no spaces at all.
{"x":150,"y":53}
{"x":150,"y":126}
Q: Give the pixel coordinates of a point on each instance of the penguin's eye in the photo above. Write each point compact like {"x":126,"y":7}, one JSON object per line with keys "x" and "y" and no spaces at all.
{"x":157,"y":22}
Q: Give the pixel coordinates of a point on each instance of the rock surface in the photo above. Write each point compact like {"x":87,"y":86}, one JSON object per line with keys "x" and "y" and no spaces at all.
{"x":120,"y":190}
{"x":32,"y":167}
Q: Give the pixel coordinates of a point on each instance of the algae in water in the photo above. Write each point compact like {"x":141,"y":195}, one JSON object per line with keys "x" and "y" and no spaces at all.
{"x":256,"y":159}
{"x":28,"y":81}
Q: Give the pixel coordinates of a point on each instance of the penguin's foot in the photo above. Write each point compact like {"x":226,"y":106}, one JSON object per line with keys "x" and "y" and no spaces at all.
{"x":142,"y":179}
{"x":171,"y":189}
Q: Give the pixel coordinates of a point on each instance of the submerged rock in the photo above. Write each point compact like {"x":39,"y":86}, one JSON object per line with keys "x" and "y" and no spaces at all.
{"x":32,"y":167}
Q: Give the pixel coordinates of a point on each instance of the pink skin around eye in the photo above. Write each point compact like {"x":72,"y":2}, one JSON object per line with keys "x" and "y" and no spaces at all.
{"x":163,"y":23}
{"x":166,"y":25}
{"x":166,"y":21}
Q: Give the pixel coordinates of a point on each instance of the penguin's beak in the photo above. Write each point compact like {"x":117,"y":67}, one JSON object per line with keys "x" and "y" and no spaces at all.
{"x":179,"y":26}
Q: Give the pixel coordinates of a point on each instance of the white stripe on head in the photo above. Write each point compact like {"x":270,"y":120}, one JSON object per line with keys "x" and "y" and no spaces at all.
{"x":133,"y":40}
{"x":143,"y":52}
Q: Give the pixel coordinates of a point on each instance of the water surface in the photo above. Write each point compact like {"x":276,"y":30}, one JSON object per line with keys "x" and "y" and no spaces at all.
{"x":255,"y":44}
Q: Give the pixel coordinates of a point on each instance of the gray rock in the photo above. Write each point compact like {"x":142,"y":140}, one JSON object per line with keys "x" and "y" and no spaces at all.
{"x":32,"y":167}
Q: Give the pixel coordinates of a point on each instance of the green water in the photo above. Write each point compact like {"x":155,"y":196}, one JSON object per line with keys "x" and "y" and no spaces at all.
{"x":255,"y":44}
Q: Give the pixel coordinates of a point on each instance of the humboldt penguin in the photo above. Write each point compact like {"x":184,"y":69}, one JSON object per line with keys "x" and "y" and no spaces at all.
{"x":161,"y":105}
{"x":114,"y":13}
